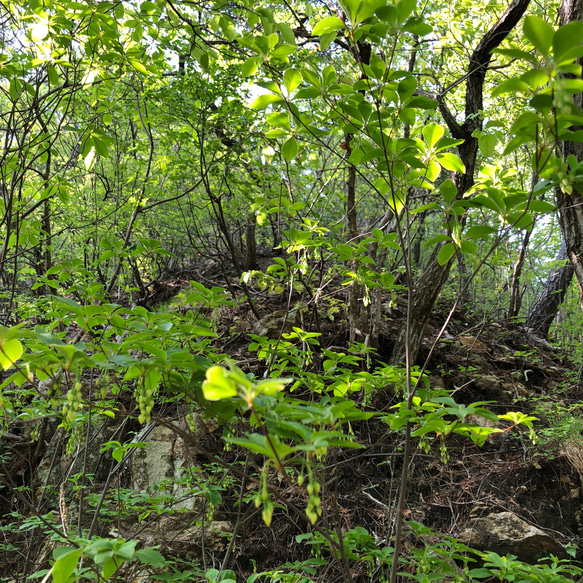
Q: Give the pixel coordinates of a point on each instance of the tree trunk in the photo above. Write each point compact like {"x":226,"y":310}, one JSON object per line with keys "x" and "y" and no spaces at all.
{"x":251,"y":244}
{"x":355,"y":306}
{"x":545,"y":308}
{"x":433,"y":278}
{"x":515,"y":295}
{"x":571,"y":206}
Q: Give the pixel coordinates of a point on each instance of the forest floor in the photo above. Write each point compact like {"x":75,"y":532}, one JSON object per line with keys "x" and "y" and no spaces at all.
{"x":540,"y":480}
{"x":477,"y":361}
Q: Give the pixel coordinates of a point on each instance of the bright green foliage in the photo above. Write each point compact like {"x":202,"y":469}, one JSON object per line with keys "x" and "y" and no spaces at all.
{"x":10,"y":348}
{"x":139,"y":136}
{"x":107,"y":554}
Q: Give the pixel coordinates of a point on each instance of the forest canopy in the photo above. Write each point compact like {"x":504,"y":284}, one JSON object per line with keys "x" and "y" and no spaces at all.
{"x":267,"y":216}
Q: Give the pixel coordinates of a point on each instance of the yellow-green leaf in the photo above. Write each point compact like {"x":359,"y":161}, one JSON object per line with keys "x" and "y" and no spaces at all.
{"x":10,"y":352}
{"x":292,"y":78}
{"x":139,"y":66}
{"x":432,"y":134}
{"x":263,"y":101}
{"x":218,"y":385}
{"x":250,"y":66}
{"x":327,"y":25}
{"x":539,"y":33}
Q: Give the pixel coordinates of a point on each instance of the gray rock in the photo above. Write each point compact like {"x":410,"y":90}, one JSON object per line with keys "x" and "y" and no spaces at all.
{"x":163,"y":463}
{"x":505,"y":533}
{"x":271,"y":325}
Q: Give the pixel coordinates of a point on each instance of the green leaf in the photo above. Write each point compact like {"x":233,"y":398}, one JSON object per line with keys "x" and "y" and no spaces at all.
{"x":387,"y":14}
{"x":480,"y":573}
{"x":278,"y":119}
{"x":272,"y":386}
{"x":65,"y":564}
{"x":110,"y":566}
{"x":445,"y":253}
{"x":287,"y":33}
{"x":367,"y":8}
{"x":451,"y":162}
{"x":406,"y":88}
{"x":290,"y":149}
{"x":273,"y":448}
{"x":416,"y":25}
{"x":566,"y":38}
{"x":535,"y":78}
{"x":540,"y":206}
{"x":513,"y":85}
{"x":432,"y":134}
{"x":126,"y":550}
{"x":10,"y":351}
{"x":405,"y":8}
{"x":291,"y":79}
{"x":516,"y":53}
{"x":282,"y":50}
{"x":423,"y":103}
{"x":487,"y":144}
{"x":264,"y":100}
{"x":250,"y":66}
{"x":218,"y":385}
{"x":448,"y":190}
{"x":539,"y":33}
{"x":308,"y":93}
{"x":327,"y":25}
{"x":138,"y":66}
{"x":468,"y":247}
{"x":479,"y":232}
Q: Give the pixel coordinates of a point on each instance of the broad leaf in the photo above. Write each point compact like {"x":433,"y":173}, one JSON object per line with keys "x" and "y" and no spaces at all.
{"x":291,"y":79}
{"x":446,"y":253}
{"x":327,"y":25}
{"x":65,"y":564}
{"x":539,"y":33}
{"x":263,"y":101}
{"x":290,"y":149}
{"x":487,"y":144}
{"x":432,"y":134}
{"x":448,"y":190}
{"x":566,"y":38}
{"x":451,"y":162}
{"x":10,"y":351}
{"x":513,"y":85}
{"x":250,"y":66}
{"x":218,"y":385}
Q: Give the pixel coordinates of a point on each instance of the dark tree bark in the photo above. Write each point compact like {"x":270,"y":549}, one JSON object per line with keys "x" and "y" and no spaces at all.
{"x":571,"y":206}
{"x":545,"y":309}
{"x":433,"y":278}
{"x":355,"y":308}
{"x":515,"y":294}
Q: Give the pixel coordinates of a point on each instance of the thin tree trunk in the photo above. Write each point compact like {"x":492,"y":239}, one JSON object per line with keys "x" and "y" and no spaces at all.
{"x":354,"y":291}
{"x":515,"y":295}
{"x":546,"y":307}
{"x":251,"y":244}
